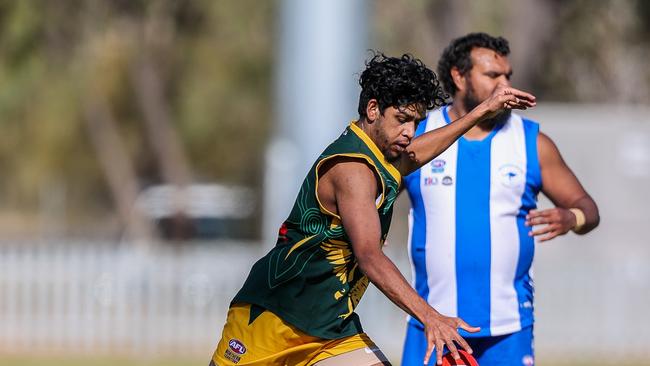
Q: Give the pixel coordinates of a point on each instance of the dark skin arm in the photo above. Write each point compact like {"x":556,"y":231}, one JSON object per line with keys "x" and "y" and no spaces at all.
{"x":562,"y":187}
{"x":348,"y":187}
{"x":426,"y":147}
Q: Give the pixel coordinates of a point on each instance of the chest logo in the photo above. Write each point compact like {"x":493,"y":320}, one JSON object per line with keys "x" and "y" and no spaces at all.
{"x":430,"y":181}
{"x":447,"y":180}
{"x":511,"y":175}
{"x":438,"y":166}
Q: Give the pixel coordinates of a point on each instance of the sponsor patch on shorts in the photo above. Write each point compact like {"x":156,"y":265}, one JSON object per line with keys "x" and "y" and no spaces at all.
{"x":230,"y":355}
{"x":235,"y":350}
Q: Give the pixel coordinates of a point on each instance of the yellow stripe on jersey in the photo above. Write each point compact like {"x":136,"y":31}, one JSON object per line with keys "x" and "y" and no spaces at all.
{"x":375,"y":150}
{"x":350,"y":155}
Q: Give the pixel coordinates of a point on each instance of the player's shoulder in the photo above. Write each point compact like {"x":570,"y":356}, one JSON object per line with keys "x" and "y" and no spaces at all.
{"x":544,"y":141}
{"x":527,"y":122}
{"x":435,"y":118}
{"x":439,"y":114}
{"x":357,"y":168}
{"x":354,"y":176}
{"x":547,"y":150}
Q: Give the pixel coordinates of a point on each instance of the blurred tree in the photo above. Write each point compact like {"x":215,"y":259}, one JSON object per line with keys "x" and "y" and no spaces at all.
{"x":598,"y":53}
{"x":184,"y":85}
{"x":569,"y":51}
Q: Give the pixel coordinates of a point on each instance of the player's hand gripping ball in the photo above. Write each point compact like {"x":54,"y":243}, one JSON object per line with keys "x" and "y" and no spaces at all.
{"x":465,"y":359}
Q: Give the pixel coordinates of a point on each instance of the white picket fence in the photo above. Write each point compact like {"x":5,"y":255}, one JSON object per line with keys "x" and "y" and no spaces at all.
{"x":88,"y":298}
{"x":94,"y":298}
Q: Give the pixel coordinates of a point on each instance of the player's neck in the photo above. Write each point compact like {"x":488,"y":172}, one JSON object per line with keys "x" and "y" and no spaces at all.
{"x":478,"y":132}
{"x":363,"y":124}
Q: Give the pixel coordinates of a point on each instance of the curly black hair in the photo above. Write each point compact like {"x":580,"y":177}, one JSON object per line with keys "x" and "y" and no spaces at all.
{"x":457,"y":54}
{"x":398,"y":82}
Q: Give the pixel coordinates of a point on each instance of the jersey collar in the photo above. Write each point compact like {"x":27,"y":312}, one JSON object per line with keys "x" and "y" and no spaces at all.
{"x":375,"y":151}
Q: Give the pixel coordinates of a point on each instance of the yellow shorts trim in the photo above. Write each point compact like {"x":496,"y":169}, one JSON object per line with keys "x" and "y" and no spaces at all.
{"x":269,"y":340}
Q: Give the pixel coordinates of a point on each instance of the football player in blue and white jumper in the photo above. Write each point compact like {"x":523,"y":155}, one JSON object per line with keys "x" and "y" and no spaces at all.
{"x":473,"y":221}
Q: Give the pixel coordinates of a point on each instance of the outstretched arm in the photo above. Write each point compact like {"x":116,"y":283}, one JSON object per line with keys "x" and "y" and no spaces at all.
{"x":431,"y":144}
{"x":562,"y":187}
{"x":355,"y":189}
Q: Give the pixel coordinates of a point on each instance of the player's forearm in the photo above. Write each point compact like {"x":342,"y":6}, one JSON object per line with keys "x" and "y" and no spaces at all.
{"x":589,"y":208}
{"x":383,"y":273}
{"x":433,"y":143}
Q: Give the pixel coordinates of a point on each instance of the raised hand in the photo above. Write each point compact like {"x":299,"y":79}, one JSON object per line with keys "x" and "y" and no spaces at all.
{"x":505,"y":97}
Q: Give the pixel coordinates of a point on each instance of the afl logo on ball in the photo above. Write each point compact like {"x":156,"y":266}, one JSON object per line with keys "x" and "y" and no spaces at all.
{"x":237,"y":346}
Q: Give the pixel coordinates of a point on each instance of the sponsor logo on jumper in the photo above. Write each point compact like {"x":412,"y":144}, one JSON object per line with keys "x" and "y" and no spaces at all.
{"x":282,"y":234}
{"x":447,"y":180}
{"x":528,"y":360}
{"x":430,"y":181}
{"x":438,"y":166}
{"x":511,"y":175}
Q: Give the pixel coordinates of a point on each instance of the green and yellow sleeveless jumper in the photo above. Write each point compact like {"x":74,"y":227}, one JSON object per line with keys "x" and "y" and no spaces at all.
{"x":311,"y":278}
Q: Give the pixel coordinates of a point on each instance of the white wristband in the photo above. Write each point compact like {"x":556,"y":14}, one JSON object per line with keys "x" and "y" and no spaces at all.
{"x":580,"y":218}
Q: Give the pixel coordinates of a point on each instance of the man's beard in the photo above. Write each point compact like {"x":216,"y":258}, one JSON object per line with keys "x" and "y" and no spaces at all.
{"x":388,"y":153}
{"x":471,"y":101}
{"x":390,"y":158}
{"x":382,"y":139}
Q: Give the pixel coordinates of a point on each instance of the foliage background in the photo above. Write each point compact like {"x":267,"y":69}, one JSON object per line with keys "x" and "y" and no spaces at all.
{"x":212,"y":63}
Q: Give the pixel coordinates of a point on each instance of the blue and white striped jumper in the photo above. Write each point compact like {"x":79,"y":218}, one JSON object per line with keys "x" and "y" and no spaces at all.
{"x":470,"y":250}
